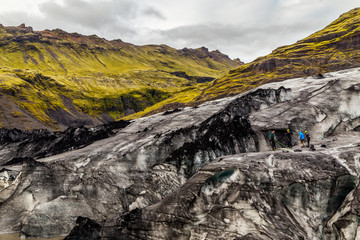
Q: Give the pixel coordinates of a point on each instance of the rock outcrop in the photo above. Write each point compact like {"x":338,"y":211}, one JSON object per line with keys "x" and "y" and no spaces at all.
{"x":17,"y":145}
{"x":86,"y":229}
{"x":149,"y":161}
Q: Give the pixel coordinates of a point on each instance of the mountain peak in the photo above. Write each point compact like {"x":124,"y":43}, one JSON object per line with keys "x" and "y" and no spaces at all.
{"x":21,"y":28}
{"x":350,"y":14}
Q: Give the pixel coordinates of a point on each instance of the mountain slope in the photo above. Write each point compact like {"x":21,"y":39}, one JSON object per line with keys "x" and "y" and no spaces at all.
{"x":59,"y":79}
{"x":333,"y":48}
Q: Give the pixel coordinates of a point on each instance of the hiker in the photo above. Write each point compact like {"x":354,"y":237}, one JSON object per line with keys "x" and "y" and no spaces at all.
{"x":307,"y":137}
{"x":302,"y":139}
{"x":288,"y":138}
{"x":272,"y":140}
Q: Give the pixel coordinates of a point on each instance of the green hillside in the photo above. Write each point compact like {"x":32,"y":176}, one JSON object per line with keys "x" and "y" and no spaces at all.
{"x":335,"y":47}
{"x":59,"y":79}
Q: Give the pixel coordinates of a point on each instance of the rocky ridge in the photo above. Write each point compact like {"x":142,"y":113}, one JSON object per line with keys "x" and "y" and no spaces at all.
{"x":149,"y":161}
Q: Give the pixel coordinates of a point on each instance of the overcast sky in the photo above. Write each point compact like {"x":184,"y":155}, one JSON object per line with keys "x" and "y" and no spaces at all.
{"x":243,"y":29}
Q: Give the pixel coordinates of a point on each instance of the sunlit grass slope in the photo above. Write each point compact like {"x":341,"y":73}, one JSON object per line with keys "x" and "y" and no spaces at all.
{"x":51,"y":70}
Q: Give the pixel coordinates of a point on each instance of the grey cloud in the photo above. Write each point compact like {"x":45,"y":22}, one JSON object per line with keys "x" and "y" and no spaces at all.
{"x":151,"y":11}
{"x":232,"y":33}
{"x":106,"y":18}
{"x":16,"y":18}
{"x":95,"y":15}
{"x":112,"y":18}
{"x":248,"y":41}
{"x":13,"y":18}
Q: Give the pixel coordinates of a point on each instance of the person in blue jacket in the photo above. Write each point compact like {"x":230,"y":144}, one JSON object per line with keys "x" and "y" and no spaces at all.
{"x":302,"y":139}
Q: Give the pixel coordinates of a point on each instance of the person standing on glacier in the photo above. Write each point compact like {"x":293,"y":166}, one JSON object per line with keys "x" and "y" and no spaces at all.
{"x":307,"y":137}
{"x":302,"y":139}
{"x":288,"y":138}
{"x":272,"y":140}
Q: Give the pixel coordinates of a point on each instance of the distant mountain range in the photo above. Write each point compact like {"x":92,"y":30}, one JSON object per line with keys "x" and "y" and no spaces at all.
{"x":54,"y":79}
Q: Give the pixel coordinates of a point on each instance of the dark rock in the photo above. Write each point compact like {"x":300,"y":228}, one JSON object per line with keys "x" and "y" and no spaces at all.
{"x":42,"y":143}
{"x":248,"y":237}
{"x":268,"y":65}
{"x":181,"y":74}
{"x":172,"y":111}
{"x":64,"y":118}
{"x":85,"y":229}
{"x":320,"y":76}
{"x":129,"y":217}
{"x":19,"y":160}
{"x":203,"y":79}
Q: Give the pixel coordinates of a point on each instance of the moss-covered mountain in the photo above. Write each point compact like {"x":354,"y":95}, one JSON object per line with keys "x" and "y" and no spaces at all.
{"x":57,"y":79}
{"x":333,"y":48}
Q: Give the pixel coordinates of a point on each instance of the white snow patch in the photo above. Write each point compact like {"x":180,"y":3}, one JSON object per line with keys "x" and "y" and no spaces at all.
{"x":141,"y":160}
{"x":29,"y":201}
{"x":82,"y":163}
{"x":270,"y":161}
{"x":320,"y":117}
{"x":351,"y":106}
{"x":335,"y":154}
{"x":140,"y":202}
{"x":357,"y":164}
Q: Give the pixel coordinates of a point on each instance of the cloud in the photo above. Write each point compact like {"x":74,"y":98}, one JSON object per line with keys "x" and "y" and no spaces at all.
{"x":151,"y":11}
{"x":247,"y":40}
{"x":95,"y":15}
{"x":239,"y":28}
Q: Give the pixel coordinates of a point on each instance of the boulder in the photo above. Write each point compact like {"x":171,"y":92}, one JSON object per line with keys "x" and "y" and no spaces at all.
{"x":86,"y":229}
